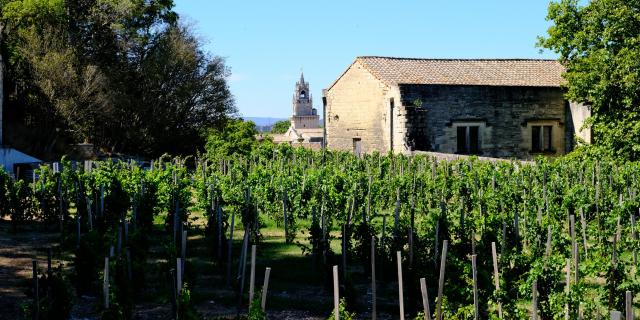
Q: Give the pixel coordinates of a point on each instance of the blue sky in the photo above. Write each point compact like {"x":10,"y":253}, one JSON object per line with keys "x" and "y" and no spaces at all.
{"x":267,"y":43}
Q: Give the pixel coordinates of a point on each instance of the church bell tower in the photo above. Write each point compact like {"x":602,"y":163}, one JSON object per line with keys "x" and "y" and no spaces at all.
{"x":304,"y":115}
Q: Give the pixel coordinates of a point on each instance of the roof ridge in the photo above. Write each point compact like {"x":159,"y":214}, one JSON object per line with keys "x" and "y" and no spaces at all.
{"x":457,"y":59}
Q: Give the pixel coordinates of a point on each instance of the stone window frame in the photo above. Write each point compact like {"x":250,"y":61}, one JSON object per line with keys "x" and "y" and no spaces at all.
{"x":480,"y":123}
{"x":556,"y":129}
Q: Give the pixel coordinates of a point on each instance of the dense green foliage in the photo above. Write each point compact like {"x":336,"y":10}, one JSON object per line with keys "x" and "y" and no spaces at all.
{"x":281,"y":126}
{"x":127,"y":76}
{"x":521,"y":207}
{"x":599,"y":45}
{"x":237,"y":137}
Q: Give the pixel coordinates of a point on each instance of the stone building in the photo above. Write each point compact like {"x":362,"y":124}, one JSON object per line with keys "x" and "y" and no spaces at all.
{"x":506,"y":108}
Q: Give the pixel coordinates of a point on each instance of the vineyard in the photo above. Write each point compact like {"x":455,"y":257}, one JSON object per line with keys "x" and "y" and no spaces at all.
{"x":402,"y":237}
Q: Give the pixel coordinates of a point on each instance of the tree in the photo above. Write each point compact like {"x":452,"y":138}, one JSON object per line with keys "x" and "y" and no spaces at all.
{"x":281,"y":127}
{"x":126,"y":76}
{"x":237,"y":137}
{"x":600,"y":48}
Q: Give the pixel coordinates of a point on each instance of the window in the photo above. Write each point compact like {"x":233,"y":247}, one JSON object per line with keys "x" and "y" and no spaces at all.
{"x":541,"y":139}
{"x":468,"y":139}
{"x":303,"y":94}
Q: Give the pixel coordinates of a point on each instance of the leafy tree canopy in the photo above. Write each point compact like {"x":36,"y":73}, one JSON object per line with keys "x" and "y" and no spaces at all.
{"x":599,"y":44}
{"x":125,"y":75}
{"x":237,"y":137}
{"x":281,"y":126}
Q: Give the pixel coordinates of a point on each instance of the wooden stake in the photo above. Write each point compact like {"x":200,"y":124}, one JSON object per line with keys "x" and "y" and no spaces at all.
{"x":474,"y":270}
{"x":105,"y":284}
{"x":400,"y":293}
{"x":336,"y":294}
{"x":425,"y":299}
{"x":574,"y":248}
{"x":36,"y":290}
{"x":373,"y":278}
{"x":496,"y":275}
{"x":568,"y":288}
{"x":443,"y":261}
{"x":583,"y":223}
{"x":179,"y":276}
{"x":230,"y":248}
{"x":265,"y":287}
{"x":616,"y":315}
{"x":534,"y":301}
{"x":252,"y":276}
{"x":628,"y":305}
{"x":634,"y":238}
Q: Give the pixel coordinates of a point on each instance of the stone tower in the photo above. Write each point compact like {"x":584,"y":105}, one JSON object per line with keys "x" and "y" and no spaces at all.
{"x":304,"y":115}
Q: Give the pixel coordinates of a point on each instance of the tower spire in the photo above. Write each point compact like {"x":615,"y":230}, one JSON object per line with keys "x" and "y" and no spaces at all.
{"x":301,"y":77}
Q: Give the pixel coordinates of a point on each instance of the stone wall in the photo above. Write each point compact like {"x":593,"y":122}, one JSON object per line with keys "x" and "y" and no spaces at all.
{"x":358,"y":108}
{"x":305,"y":122}
{"x":504,"y":114}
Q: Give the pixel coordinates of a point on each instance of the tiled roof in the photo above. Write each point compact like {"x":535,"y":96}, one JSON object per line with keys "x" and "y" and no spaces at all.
{"x":484,"y":72}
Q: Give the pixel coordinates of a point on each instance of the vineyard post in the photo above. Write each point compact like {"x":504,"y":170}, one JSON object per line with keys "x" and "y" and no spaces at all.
{"x":410,"y":248}
{"x":336,"y":294}
{"x":516,"y":224}
{"x":284,"y":212}
{"x":105,"y":283}
{"x":174,"y":293}
{"x":344,"y":252}
{"x":179,"y":276}
{"x":36,"y":291}
{"x":119,"y":240}
{"x":101,"y":200}
{"x":126,"y":232}
{"x":252,"y":277}
{"x":634,"y":238}
{"x":129,"y":273}
{"x":324,"y":229}
{"x":628,"y":305}
{"x":443,"y":261}
{"x":229,"y":251}
{"x":436,"y":252}
{"x":314,"y":244}
{"x":616,"y":315}
{"x":183,"y":249}
{"x":425,"y":299}
{"x":568,"y":289}
{"x":534,"y":300}
{"x":547,"y":251}
{"x":78,"y":229}
{"x":60,"y":205}
{"x":474,"y":269}
{"x":400,"y":293}
{"x":584,"y":231}
{"x":368,"y":212}
{"x":496,"y":275}
{"x":242,"y":267}
{"x":373,"y":278}
{"x":219,"y":222}
{"x":382,"y":238}
{"x":89,"y":214}
{"x":265,"y":287}
{"x":574,"y":248}
{"x":396,"y":215}
{"x":49,"y":254}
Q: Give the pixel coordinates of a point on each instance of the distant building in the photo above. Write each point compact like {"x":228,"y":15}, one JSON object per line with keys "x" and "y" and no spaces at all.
{"x":305,"y":127}
{"x":505,"y":108}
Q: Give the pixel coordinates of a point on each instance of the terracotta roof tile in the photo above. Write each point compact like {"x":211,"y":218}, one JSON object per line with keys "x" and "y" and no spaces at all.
{"x":487,"y":72}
